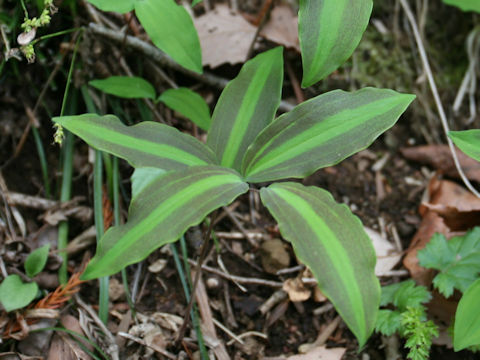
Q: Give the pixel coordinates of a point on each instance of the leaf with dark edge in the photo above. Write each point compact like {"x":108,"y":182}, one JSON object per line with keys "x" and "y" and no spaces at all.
{"x":171,"y":29}
{"x":329,"y":32}
{"x":322,"y":132}
{"x":120,"y":6}
{"x":330,"y":240}
{"x":467,"y":319}
{"x":468,"y":141}
{"x":246,"y":106}
{"x":162,"y":212}
{"x":147,"y":144}
{"x":189,"y":104}
{"x":129,"y":87}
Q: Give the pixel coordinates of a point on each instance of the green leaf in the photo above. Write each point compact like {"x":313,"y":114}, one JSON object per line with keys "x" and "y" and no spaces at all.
{"x":189,"y":104}
{"x":322,"y":132}
{"x":468,"y":141}
{"x":467,"y":319}
{"x":37,"y":260}
{"x":246,"y":106}
{"x":15,"y":294}
{"x":120,"y":6}
{"x":162,"y":212}
{"x":142,"y":177}
{"x":195,"y":2}
{"x":330,"y":240}
{"x":388,"y":322}
{"x":329,"y":32}
{"x":125,"y":87}
{"x":465,"y":5}
{"x":147,"y":144}
{"x":458,"y":261}
{"x":171,"y":29}
{"x":404,"y":294}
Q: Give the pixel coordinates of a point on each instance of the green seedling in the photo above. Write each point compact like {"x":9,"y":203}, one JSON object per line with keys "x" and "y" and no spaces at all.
{"x":14,"y":293}
{"x":248,"y":147}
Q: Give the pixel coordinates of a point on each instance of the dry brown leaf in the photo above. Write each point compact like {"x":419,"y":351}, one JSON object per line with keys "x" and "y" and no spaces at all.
{"x":448,"y":199}
{"x":274,"y":255}
{"x":296,"y":290}
{"x":282,"y":27}
{"x":225,"y":37}
{"x":63,"y":347}
{"x":440,"y":158}
{"x":387,"y":255}
{"x":320,"y":353}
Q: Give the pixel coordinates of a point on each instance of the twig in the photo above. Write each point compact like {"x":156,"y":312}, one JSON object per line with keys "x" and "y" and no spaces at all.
{"x":158,"y":56}
{"x":151,"y":345}
{"x":433,"y":88}
{"x":239,"y":279}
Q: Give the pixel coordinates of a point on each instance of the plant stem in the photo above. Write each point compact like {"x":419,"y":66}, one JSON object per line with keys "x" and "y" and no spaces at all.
{"x":59,"y":33}
{"x":43,"y":161}
{"x":198,"y":273}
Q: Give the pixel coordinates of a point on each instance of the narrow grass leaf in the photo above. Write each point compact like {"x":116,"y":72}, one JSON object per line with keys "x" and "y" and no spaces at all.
{"x":147,"y":144}
{"x":120,"y":6}
{"x":246,"y":106}
{"x":468,"y":141}
{"x":329,"y":32}
{"x":171,"y":29}
{"x":330,"y":240}
{"x":467,"y":319}
{"x":37,"y":260}
{"x":129,"y":87}
{"x":322,"y":132}
{"x":162,"y":212}
{"x":189,"y":104}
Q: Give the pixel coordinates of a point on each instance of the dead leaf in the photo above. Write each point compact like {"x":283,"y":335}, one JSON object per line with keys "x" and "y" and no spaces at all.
{"x":225,"y":37}
{"x":296,"y":290}
{"x":157,"y":266}
{"x":116,"y":290}
{"x":282,"y":27}
{"x":320,"y":353}
{"x":387,"y":255}
{"x":440,"y":158}
{"x":274,"y":255}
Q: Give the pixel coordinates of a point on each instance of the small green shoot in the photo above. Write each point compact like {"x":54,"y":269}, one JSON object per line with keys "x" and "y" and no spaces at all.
{"x":36,"y":261}
{"x":15,"y":294}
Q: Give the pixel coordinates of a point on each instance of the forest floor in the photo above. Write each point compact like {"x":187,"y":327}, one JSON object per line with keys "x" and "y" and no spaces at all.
{"x":255,"y":299}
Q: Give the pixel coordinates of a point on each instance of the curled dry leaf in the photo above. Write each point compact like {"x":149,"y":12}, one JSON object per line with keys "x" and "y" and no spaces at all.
{"x":446,"y":211}
{"x":225,"y":37}
{"x":440,"y":158}
{"x":296,"y":290}
{"x":274,"y":255}
{"x":282,"y":27}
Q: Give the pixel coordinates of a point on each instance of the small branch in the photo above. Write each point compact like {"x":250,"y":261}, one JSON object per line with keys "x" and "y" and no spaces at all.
{"x":158,"y":56}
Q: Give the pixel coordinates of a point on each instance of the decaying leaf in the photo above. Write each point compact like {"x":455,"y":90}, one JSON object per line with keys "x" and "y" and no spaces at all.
{"x":296,"y":290}
{"x":387,"y":255}
{"x":440,"y":158}
{"x":282,"y":27}
{"x":225,"y":37}
{"x":274,"y":255}
{"x":322,"y":353}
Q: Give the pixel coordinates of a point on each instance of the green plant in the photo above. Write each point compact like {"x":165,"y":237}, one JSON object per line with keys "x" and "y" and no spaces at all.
{"x":246,"y":146}
{"x":14,"y":293}
{"x":465,"y":5}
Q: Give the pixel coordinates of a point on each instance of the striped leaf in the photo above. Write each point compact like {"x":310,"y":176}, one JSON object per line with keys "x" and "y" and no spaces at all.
{"x":189,"y":104}
{"x":322,"y":132}
{"x":329,"y":32}
{"x":120,"y":6}
{"x":147,"y":144}
{"x":468,"y":141}
{"x":129,"y":87}
{"x":162,"y":212}
{"x":171,"y":29}
{"x":467,"y":319}
{"x":330,"y":240}
{"x":246,"y":106}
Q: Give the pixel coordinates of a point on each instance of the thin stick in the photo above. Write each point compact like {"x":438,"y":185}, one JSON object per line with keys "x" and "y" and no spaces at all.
{"x":198,"y":273}
{"x":433,"y":88}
